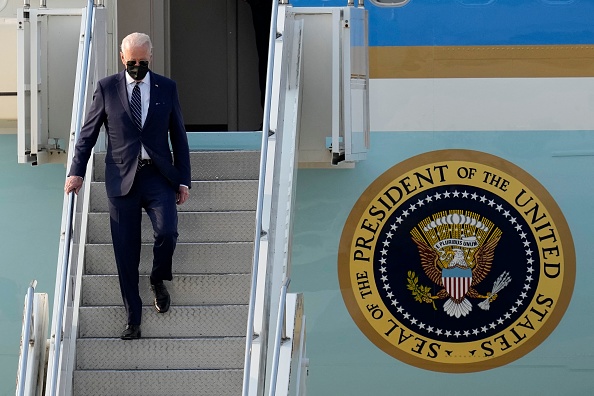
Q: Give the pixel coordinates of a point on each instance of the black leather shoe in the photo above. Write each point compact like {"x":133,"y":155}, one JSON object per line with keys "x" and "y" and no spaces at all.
{"x":162,"y":299}
{"x":132,"y":332}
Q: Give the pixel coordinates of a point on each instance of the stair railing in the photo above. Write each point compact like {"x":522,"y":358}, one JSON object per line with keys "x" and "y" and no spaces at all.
{"x":31,"y":372}
{"x":25,"y":338}
{"x":68,"y":228}
{"x":258,"y":234}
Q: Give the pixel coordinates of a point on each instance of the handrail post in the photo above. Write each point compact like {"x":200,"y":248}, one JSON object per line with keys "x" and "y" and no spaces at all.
{"x":280,"y":335}
{"x":26,"y":339}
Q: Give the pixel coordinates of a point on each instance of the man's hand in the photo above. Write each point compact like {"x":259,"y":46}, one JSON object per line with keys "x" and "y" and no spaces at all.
{"x":73,"y":183}
{"x":182,"y":195}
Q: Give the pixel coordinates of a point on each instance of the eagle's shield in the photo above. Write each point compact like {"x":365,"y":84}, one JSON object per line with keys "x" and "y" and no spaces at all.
{"x":456,"y":281}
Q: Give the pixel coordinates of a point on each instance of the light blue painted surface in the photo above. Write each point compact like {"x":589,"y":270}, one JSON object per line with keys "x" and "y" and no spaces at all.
{"x":224,"y":140}
{"x":344,"y":362}
{"x":30,"y":215}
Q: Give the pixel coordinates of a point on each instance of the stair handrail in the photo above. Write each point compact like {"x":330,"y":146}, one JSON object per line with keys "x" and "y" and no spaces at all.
{"x":281,"y":334}
{"x":260,"y":202}
{"x":68,"y":231}
{"x":26,"y":337}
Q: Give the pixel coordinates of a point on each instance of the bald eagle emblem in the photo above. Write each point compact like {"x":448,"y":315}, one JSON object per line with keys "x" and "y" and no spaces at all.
{"x":456,"y":251}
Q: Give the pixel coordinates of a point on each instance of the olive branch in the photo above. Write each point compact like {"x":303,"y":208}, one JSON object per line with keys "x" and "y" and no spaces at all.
{"x":419,"y":292}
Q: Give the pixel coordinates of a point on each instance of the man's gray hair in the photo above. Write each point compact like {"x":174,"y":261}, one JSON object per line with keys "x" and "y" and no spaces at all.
{"x":136,"y":40}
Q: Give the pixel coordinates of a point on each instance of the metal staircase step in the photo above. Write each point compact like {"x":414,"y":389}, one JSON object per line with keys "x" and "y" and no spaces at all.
{"x":208,"y":165}
{"x":178,"y":322}
{"x":160,"y":353}
{"x":192,"y":227}
{"x":199,"y":258}
{"x":158,"y":382}
{"x":102,"y":290}
{"x":205,"y":196}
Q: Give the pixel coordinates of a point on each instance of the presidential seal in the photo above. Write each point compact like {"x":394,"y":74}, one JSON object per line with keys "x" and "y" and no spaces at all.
{"x":456,"y":261}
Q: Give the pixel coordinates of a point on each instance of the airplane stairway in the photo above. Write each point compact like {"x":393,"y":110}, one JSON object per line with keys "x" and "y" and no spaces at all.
{"x":198,"y":346}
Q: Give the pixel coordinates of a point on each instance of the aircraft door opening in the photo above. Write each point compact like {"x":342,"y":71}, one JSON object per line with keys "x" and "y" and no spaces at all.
{"x":213,"y":58}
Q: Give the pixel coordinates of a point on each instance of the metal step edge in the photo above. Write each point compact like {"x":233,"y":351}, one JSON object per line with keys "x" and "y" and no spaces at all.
{"x":189,"y":258}
{"x":192,"y":227}
{"x":150,"y":307}
{"x":178,"y":322}
{"x":206,"y":382}
{"x":224,"y":195}
{"x":157,"y":353}
{"x":240,"y":370}
{"x":100,"y":290}
{"x":209,"y":153}
{"x":144,"y":339}
{"x":193,"y":212}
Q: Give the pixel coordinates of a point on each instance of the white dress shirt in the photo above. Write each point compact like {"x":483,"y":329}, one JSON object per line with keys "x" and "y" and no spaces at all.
{"x":145,"y":95}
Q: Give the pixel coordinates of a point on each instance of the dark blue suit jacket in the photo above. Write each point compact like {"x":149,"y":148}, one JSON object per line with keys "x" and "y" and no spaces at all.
{"x":164,"y":124}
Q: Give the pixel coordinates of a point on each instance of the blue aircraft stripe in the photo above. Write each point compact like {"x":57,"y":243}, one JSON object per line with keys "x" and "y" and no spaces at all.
{"x":476,"y":22}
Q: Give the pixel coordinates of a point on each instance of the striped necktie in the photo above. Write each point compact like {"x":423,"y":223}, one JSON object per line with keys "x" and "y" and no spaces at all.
{"x":136,"y":106}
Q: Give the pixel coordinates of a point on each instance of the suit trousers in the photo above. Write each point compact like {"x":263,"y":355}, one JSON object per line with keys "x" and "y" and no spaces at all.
{"x":152,"y":192}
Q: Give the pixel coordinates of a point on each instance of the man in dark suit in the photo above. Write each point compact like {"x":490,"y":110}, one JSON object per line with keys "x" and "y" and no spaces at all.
{"x":141,"y":114}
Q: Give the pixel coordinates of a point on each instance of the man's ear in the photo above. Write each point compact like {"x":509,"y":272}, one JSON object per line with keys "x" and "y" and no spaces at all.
{"x":122,"y":58}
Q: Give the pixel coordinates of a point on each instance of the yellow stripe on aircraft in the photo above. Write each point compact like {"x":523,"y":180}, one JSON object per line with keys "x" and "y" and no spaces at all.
{"x":482,"y":61}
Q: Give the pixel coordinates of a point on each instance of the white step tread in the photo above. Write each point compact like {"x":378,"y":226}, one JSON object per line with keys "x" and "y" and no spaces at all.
{"x":189,"y":258}
{"x":209,"y":165}
{"x":238,"y":226}
{"x":205,"y":196}
{"x":158,"y":383}
{"x":103,"y":290}
{"x":160,"y":353}
{"x":178,"y":322}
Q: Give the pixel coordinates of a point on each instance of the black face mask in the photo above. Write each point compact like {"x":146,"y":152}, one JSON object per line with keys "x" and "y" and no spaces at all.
{"x":137,"y":72}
